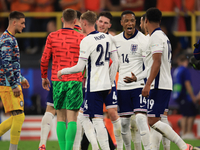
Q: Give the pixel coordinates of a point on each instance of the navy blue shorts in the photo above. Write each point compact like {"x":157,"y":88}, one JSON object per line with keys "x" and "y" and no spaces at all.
{"x":158,"y":101}
{"x":187,"y":108}
{"x":111,"y":99}
{"x":130,"y":101}
{"x":50,"y":97}
{"x":93,"y":103}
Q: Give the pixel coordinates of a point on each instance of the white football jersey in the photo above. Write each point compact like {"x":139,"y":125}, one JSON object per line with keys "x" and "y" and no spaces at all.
{"x":96,"y":48}
{"x":131,"y":53}
{"x":159,"y":43}
{"x":113,"y":49}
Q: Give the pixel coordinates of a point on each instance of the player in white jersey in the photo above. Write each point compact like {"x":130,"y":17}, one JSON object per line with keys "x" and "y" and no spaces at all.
{"x":131,"y":46}
{"x":158,"y":59}
{"x":95,"y":52}
{"x":156,"y":136}
{"x":103,"y":24}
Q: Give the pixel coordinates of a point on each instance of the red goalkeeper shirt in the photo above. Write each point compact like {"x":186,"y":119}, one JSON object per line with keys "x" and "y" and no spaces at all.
{"x":63,"y":45}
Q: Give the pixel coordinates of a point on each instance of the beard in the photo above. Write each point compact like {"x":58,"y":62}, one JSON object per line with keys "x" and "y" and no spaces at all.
{"x":17,"y":31}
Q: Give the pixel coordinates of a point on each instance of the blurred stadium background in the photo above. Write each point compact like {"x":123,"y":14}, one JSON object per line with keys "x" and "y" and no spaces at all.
{"x":181,"y":22}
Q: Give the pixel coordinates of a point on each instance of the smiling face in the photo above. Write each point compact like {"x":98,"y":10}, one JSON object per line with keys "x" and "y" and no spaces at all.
{"x":128,"y":22}
{"x":19,"y":25}
{"x":103,"y":24}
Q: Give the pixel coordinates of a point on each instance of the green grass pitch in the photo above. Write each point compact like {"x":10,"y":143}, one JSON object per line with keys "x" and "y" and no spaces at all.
{"x":53,"y":145}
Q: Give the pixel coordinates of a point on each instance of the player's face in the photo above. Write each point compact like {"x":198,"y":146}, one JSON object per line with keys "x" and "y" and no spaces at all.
{"x":83,"y":25}
{"x":128,"y":22}
{"x":146,"y":24}
{"x":142,"y":25}
{"x":20,"y":25}
{"x":103,"y":24}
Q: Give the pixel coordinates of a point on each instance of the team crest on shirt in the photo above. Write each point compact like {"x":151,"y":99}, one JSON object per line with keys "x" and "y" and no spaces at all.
{"x":134,"y":48}
{"x":21,"y":103}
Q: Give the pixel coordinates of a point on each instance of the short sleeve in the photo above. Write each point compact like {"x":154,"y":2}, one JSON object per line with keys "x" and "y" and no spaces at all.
{"x":113,"y":46}
{"x":84,"y":50}
{"x":156,"y":46}
{"x":143,"y":45}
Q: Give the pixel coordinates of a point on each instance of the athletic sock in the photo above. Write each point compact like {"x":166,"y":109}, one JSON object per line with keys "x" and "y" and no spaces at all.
{"x":61,"y":130}
{"x":155,"y":138}
{"x":78,"y":137}
{"x":109,"y":127}
{"x":45,"y":127}
{"x":126,"y":134}
{"x":165,"y":141}
{"x":16,"y":128}
{"x":13,"y":147}
{"x":135,"y":134}
{"x":169,"y":133}
{"x":89,"y":130}
{"x":6,"y":125}
{"x":118,"y":135}
{"x":102,"y":134}
{"x":70,"y":135}
{"x":142,"y":124}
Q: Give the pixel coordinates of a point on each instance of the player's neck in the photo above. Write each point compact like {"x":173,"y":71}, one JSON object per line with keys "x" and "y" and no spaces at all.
{"x":78,"y":23}
{"x":146,"y":33}
{"x":90,"y":29}
{"x":152,"y":27}
{"x":129,"y":35}
{"x":68,"y":25}
{"x":11,"y":30}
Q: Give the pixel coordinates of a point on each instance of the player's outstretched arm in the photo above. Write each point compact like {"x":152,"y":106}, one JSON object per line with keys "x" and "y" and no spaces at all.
{"x":138,"y":77}
{"x":79,"y":67}
{"x":114,"y":66}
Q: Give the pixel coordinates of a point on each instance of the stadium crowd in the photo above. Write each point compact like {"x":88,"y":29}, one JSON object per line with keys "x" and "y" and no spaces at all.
{"x":132,"y":80}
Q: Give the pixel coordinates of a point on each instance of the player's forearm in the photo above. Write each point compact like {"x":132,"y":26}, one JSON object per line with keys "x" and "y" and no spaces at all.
{"x":142,"y":75}
{"x":44,"y":69}
{"x":79,"y":67}
{"x":22,"y":77}
{"x":45,"y":63}
{"x":114,"y":66}
{"x":154,"y":71}
{"x":9,"y":72}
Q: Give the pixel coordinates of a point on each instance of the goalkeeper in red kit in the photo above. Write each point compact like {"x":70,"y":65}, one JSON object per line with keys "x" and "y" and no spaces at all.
{"x":63,"y":46}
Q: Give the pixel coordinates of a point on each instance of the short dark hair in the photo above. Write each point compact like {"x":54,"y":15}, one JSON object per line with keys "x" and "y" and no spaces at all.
{"x":16,"y":15}
{"x":69,"y":15}
{"x":90,"y":16}
{"x":127,"y":12}
{"x":182,"y":58}
{"x":78,"y":14}
{"x":154,"y":15}
{"x":143,"y":17}
{"x":106,"y":14}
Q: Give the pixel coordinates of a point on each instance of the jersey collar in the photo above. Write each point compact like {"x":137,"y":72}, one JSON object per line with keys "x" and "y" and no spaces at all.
{"x":68,"y":28}
{"x":93,"y":32}
{"x":136,"y":31}
{"x":9,"y":32}
{"x":156,"y":30}
{"x":77,"y":27}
